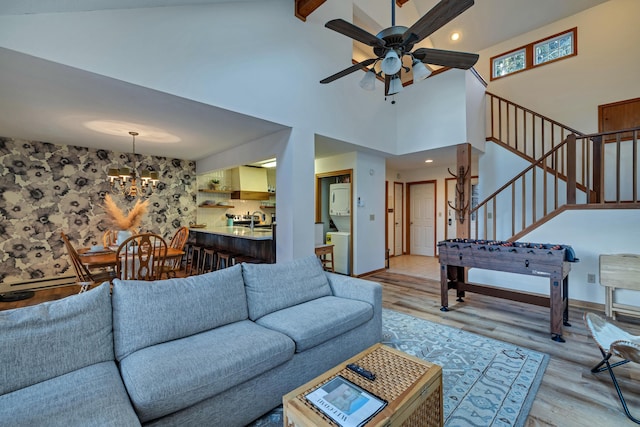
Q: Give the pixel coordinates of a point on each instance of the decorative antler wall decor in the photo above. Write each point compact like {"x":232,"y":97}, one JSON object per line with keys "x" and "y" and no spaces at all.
{"x":460,"y":207}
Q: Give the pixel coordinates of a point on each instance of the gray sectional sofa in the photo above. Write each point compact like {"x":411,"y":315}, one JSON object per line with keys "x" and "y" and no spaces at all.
{"x":219,"y":349}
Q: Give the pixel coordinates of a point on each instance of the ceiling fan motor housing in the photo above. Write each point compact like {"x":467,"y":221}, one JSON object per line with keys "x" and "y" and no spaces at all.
{"x":392,"y":37}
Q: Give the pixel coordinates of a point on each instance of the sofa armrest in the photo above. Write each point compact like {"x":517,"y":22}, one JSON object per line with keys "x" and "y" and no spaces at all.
{"x":354,"y":288}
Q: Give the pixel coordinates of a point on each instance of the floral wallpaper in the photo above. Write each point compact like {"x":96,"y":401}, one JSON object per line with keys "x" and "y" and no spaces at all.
{"x":47,"y":188}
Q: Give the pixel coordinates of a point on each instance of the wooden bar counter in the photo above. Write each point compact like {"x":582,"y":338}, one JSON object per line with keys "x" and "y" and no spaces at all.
{"x":257,"y":243}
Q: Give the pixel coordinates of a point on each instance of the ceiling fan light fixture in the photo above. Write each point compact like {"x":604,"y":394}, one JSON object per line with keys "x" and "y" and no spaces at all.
{"x":391,"y":63}
{"x":420,"y":71}
{"x":368,"y":82}
{"x":395,"y":85}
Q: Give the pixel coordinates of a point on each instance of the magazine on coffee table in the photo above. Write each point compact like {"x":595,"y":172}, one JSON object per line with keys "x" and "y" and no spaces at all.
{"x":345,"y":403}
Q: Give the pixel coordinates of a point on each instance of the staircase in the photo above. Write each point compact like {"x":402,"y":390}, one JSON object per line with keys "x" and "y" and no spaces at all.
{"x":568,"y":170}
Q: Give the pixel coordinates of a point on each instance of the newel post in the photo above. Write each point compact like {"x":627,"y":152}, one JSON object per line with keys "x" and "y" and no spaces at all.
{"x":597,"y":195}
{"x":463,"y":156}
{"x":571,"y":169}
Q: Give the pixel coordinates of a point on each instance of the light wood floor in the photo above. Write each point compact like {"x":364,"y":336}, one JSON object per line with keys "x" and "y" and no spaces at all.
{"x":570,"y":395}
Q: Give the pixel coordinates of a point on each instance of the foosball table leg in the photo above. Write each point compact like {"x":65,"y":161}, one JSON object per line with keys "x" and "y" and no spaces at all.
{"x":557,"y":338}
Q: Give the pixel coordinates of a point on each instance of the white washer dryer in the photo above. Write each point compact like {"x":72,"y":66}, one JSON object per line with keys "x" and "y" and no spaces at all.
{"x":340,"y":242}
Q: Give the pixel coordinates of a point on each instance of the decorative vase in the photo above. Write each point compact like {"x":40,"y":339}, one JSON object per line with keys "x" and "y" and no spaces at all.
{"x":122,"y":236}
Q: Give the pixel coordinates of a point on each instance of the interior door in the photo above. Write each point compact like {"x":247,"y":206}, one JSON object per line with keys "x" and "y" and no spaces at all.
{"x":398,"y":210}
{"x":422,"y":218}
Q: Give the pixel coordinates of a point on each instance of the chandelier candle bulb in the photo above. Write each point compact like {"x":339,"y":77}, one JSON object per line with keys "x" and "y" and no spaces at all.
{"x":148,"y":179}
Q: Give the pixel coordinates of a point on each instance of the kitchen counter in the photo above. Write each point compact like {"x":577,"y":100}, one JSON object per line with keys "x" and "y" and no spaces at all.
{"x":239,"y":232}
{"x":259,"y":243}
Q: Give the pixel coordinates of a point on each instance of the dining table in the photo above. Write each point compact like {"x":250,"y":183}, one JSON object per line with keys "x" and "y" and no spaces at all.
{"x":107,"y":257}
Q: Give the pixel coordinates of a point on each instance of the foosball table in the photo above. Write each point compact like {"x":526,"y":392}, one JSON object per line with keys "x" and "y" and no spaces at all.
{"x":534,"y":259}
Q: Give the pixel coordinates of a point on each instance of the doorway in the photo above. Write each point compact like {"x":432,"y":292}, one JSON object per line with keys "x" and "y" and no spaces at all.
{"x":398,"y":209}
{"x":395,"y":209}
{"x":323,"y":221}
{"x":421,"y":218}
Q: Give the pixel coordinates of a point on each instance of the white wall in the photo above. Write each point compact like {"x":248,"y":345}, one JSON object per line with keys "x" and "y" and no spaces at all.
{"x":256,"y":58}
{"x":368,"y":245}
{"x":475,"y":110}
{"x":569,"y":91}
{"x":590,"y":233}
{"x":432,"y":113}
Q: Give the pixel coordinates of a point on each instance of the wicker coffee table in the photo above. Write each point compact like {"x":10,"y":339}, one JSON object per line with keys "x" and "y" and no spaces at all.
{"x":412,"y":387}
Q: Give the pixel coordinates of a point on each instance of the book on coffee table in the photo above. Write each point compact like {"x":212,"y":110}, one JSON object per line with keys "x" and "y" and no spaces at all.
{"x":345,"y":403}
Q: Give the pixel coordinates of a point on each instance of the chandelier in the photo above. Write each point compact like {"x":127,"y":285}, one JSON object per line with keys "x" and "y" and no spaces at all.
{"x":120,"y":176}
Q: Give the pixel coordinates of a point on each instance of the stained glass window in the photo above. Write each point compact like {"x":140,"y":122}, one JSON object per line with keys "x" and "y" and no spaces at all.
{"x":554,"y":48}
{"x":509,"y":63}
{"x":532,"y":55}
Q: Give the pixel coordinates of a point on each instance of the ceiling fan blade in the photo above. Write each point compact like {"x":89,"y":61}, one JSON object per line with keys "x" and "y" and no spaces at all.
{"x":433,"y":20}
{"x":446,"y":58}
{"x":387,"y":83}
{"x":349,"y":70}
{"x":356,"y":33}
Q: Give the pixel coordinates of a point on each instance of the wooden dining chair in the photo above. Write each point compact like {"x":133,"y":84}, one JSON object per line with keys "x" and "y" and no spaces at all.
{"x":109,"y":238}
{"x":141,"y":257}
{"x":173,"y":264}
{"x":85,"y":277}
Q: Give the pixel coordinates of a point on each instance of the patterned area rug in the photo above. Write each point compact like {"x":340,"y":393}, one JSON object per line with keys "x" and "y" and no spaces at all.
{"x":486,"y":382}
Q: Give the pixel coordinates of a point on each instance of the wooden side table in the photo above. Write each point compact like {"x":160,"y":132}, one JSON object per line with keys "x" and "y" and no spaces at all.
{"x":619,"y":271}
{"x":412,"y":387}
{"x":321,"y":252}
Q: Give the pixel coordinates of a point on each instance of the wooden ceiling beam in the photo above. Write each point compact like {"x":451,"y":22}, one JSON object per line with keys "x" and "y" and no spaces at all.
{"x":304,"y":8}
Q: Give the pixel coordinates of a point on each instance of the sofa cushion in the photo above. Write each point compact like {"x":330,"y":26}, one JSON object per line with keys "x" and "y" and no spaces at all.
{"x":53,"y":338}
{"x":90,"y":396}
{"x":271,"y":287}
{"x":174,"y":375}
{"x":314,"y":322}
{"x":148,"y":313}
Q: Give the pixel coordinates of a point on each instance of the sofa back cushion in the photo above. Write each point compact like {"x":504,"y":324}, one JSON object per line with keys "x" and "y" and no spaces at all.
{"x":149,"y":313}
{"x":271,"y":287}
{"x":54,"y":338}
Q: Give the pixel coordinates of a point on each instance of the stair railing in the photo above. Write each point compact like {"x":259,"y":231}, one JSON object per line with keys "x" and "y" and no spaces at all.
{"x":597,"y":169}
{"x":524,"y":131}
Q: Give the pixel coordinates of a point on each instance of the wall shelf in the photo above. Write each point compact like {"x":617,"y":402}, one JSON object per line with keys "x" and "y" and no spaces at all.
{"x":216,"y":206}
{"x":267,"y":207}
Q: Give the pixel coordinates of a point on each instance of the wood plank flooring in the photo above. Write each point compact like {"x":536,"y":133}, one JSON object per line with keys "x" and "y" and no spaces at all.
{"x":570,"y":395}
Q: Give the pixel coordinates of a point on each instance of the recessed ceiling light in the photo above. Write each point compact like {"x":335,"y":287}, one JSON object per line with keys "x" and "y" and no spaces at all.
{"x":429,"y":161}
{"x":455,"y":36}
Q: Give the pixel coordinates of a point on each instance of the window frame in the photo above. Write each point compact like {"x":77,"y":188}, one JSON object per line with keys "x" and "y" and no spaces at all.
{"x":529,"y":53}
{"x":506,"y":54}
